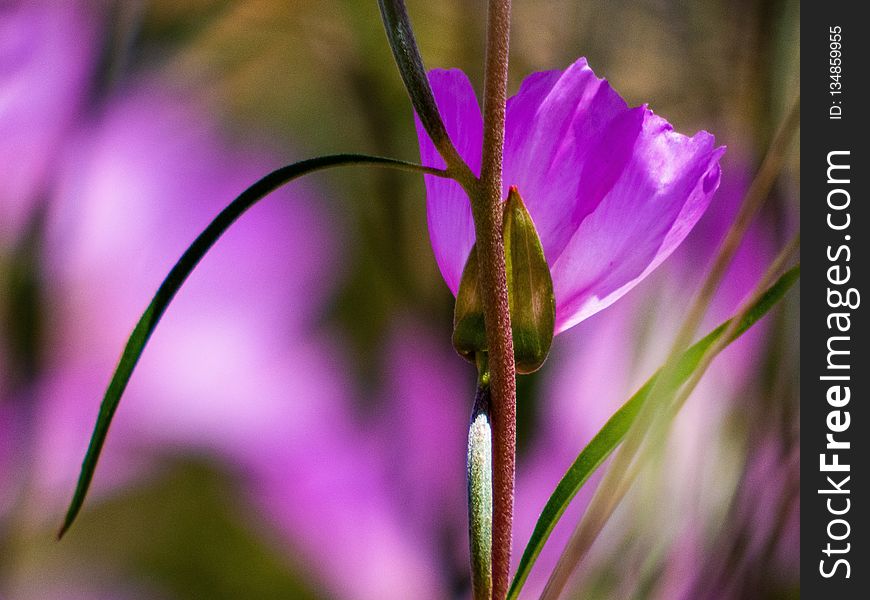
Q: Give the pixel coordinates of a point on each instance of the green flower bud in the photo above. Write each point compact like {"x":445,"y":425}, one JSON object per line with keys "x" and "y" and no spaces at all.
{"x":530,"y":293}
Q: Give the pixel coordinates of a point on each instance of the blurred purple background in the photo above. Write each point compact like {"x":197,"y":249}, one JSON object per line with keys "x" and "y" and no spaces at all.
{"x":296,"y":427}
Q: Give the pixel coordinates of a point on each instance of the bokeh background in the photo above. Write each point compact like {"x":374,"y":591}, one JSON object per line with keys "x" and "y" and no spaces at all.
{"x":296,"y":428}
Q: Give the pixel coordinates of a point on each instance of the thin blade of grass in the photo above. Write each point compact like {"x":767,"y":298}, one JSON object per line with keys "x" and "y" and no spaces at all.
{"x":613,"y":432}
{"x":400,"y":34}
{"x":178,"y":275}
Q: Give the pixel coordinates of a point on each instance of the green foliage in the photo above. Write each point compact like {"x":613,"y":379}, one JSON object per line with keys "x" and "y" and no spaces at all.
{"x":176,"y":278}
{"x":407,"y":55}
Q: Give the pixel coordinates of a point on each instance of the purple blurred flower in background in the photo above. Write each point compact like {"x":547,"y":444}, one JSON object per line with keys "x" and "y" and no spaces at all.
{"x":237,"y":368}
{"x":612,"y":190}
{"x":578,"y":400}
{"x":48,"y":54}
{"x":377,"y":503}
{"x":236,"y":355}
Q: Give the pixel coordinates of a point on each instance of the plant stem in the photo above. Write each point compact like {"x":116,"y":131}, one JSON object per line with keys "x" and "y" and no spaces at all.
{"x":487,"y":208}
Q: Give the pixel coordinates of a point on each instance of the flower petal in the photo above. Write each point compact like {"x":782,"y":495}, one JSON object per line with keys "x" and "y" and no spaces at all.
{"x":451,"y":228}
{"x":662,"y":191}
{"x":555,"y":126}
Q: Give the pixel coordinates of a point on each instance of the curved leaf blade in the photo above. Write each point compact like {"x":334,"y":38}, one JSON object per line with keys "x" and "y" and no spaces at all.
{"x":610,"y":436}
{"x":173,"y":282}
{"x":410,"y":63}
{"x":407,"y":55}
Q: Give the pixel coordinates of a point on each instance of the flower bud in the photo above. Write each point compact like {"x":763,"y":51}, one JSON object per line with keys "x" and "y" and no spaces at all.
{"x":530,"y":293}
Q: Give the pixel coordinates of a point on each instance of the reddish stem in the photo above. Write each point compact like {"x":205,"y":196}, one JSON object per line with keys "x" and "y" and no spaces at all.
{"x":493,"y":281}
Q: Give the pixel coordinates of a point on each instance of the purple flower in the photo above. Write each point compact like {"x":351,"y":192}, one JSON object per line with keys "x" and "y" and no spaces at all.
{"x":612,"y":190}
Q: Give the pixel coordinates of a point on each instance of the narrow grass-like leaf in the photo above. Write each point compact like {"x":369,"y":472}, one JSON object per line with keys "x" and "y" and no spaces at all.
{"x":609,"y":437}
{"x":410,"y":63}
{"x":177,"y":276}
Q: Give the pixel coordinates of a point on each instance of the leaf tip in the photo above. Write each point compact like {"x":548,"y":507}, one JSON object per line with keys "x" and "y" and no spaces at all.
{"x":63,"y":529}
{"x":71,"y":513}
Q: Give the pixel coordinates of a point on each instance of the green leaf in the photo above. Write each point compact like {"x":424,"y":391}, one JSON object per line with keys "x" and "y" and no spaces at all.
{"x":173,"y":282}
{"x":609,"y":437}
{"x":530,"y":287}
{"x":407,"y":55}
